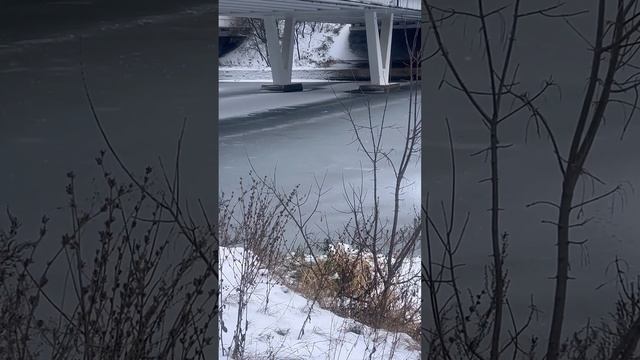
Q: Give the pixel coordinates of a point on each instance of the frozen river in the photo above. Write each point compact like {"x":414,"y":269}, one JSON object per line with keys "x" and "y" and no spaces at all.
{"x":304,"y":136}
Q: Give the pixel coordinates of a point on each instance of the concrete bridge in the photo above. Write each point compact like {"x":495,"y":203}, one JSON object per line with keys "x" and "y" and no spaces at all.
{"x":377,"y":15}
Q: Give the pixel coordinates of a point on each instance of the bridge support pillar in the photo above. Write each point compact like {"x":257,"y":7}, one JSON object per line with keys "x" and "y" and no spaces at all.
{"x":379,"y":46}
{"x":280,"y":53}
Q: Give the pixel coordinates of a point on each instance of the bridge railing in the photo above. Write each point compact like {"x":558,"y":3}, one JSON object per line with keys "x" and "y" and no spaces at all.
{"x":407,"y":4}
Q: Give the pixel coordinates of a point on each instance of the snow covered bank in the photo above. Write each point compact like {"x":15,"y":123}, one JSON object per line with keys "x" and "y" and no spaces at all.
{"x":276,"y":316}
{"x":327,"y":45}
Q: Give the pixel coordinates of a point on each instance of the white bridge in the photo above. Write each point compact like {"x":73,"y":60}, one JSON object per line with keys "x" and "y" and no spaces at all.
{"x":377,"y":15}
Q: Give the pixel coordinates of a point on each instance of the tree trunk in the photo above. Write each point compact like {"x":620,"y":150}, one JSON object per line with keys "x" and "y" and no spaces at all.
{"x":495,"y":242}
{"x":562,"y":265}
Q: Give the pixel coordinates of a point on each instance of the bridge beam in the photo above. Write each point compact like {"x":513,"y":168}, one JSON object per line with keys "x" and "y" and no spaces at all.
{"x":280,"y":54}
{"x":379,"y":46}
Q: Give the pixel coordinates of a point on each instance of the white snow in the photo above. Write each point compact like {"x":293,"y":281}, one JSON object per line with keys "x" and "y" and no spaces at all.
{"x":274,"y":330}
{"x":317,"y":49}
{"x":340,"y":48}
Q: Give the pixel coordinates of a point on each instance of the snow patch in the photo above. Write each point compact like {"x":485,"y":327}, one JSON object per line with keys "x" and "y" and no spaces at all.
{"x":315,"y":49}
{"x":274,"y":331}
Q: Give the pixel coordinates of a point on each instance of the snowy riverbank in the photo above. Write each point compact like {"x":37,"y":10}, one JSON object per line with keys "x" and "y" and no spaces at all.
{"x":274,"y":331}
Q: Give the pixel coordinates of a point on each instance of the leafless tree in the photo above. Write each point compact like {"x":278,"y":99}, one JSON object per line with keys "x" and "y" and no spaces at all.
{"x":258,"y":37}
{"x":383,"y":235}
{"x":255,"y":222}
{"x":501,"y":75}
{"x":613,"y":79}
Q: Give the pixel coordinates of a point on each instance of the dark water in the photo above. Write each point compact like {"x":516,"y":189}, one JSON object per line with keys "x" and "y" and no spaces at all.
{"x":145,"y":81}
{"x":404,"y":39}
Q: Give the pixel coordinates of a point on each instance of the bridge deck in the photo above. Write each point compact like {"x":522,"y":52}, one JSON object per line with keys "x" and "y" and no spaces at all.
{"x":334,"y":11}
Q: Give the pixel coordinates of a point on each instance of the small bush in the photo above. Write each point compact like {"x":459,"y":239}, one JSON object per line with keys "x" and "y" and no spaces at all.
{"x":344,"y":281}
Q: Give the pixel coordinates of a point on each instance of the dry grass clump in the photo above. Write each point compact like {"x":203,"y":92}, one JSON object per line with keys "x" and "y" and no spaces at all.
{"x":342,"y":276}
{"x":344,"y":281}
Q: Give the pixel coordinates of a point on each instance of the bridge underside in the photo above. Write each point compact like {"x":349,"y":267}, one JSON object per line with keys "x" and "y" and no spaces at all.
{"x":377,"y":15}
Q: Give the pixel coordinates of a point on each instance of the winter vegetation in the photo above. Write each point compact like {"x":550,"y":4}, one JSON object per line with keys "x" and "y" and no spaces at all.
{"x":132,"y":277}
{"x":280,"y":322}
{"x":280,"y":300}
{"x":480,"y":322}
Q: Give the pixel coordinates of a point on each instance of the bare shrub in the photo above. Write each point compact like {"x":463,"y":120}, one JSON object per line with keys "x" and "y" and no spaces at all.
{"x":145,"y":291}
{"x":254,"y":221}
{"x":18,"y":298}
{"x":615,"y":337}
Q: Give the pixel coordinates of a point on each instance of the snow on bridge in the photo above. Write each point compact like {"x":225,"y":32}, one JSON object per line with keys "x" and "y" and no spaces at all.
{"x":378,"y":16}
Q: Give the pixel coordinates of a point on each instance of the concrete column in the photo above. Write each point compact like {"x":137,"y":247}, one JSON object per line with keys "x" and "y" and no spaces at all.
{"x":386,"y":35}
{"x":280,"y":55}
{"x":379,"y":45}
{"x":288,"y":42}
